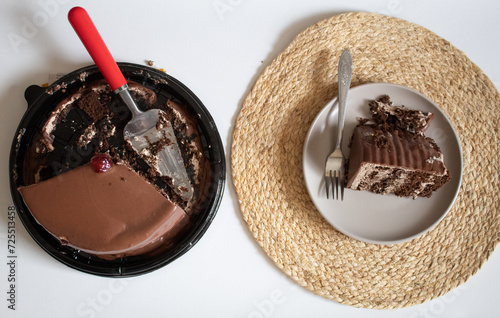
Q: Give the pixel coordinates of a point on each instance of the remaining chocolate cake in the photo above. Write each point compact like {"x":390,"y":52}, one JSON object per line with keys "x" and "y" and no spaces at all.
{"x":390,"y":154}
{"x":129,"y":210}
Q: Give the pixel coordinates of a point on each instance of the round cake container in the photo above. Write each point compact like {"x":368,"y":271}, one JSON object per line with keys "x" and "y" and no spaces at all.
{"x":41,"y":102}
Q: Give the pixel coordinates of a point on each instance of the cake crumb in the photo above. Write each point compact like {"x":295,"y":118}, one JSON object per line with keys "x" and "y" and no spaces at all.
{"x":150,"y":62}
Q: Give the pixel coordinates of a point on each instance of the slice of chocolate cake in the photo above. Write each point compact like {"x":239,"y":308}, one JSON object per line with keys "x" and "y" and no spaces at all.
{"x":390,"y":154}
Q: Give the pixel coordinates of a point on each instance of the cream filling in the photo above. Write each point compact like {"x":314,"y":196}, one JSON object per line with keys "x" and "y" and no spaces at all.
{"x":364,"y":176}
{"x":433,"y":159}
{"x":87,"y":136}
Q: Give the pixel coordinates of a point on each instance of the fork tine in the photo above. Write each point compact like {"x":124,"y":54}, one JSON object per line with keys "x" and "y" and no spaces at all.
{"x":327,"y":177}
{"x":342,"y":185}
{"x":337,"y":183}
{"x":333,"y":185}
{"x":332,"y":182}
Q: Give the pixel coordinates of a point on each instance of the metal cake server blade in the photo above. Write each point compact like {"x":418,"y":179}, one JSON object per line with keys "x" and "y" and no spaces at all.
{"x":168,"y":161}
{"x":144,"y":132}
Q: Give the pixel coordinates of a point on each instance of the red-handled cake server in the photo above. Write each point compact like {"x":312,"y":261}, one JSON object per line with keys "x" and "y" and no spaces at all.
{"x":145,"y":128}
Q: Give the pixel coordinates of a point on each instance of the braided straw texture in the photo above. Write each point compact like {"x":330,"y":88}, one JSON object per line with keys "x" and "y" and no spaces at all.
{"x":267,"y":158}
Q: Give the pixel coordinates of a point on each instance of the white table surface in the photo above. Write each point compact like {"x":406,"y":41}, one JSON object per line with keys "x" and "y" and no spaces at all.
{"x":218,"y":48}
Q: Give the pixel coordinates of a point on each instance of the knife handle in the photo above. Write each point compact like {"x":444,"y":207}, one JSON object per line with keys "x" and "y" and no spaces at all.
{"x":93,"y":42}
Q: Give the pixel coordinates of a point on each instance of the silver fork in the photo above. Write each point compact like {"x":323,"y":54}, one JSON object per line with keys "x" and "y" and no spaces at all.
{"x":334,"y":167}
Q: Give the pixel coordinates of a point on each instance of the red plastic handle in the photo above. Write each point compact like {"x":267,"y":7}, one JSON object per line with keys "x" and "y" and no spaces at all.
{"x":91,"y":39}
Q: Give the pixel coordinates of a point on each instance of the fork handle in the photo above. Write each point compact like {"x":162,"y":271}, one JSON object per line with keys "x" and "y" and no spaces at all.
{"x":345,"y":75}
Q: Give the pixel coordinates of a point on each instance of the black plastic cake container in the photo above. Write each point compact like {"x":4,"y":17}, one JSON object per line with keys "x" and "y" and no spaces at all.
{"x":41,"y":101}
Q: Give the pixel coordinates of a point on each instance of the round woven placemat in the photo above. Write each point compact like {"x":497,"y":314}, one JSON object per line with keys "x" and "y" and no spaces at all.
{"x":267,"y":163}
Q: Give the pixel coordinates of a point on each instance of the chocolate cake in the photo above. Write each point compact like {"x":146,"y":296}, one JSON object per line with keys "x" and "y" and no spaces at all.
{"x":391,"y":154}
{"x":129,"y":210}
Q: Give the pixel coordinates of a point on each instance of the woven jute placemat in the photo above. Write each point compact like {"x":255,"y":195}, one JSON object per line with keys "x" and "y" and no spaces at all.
{"x":267,"y":163}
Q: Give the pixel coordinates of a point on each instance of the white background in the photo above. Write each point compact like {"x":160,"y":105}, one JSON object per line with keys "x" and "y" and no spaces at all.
{"x":218,"y":48}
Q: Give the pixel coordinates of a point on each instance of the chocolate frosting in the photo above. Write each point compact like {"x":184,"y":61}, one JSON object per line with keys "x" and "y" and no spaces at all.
{"x":398,"y":150}
{"x":114,"y":213}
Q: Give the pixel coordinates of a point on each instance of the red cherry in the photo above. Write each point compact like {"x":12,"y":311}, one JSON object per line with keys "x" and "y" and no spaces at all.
{"x":101,"y":162}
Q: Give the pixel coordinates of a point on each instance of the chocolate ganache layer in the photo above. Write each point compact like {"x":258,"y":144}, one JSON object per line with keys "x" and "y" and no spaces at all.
{"x":111,"y":214}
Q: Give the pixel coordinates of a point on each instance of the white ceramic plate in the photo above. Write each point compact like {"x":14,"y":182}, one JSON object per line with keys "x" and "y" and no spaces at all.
{"x":369,"y":217}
